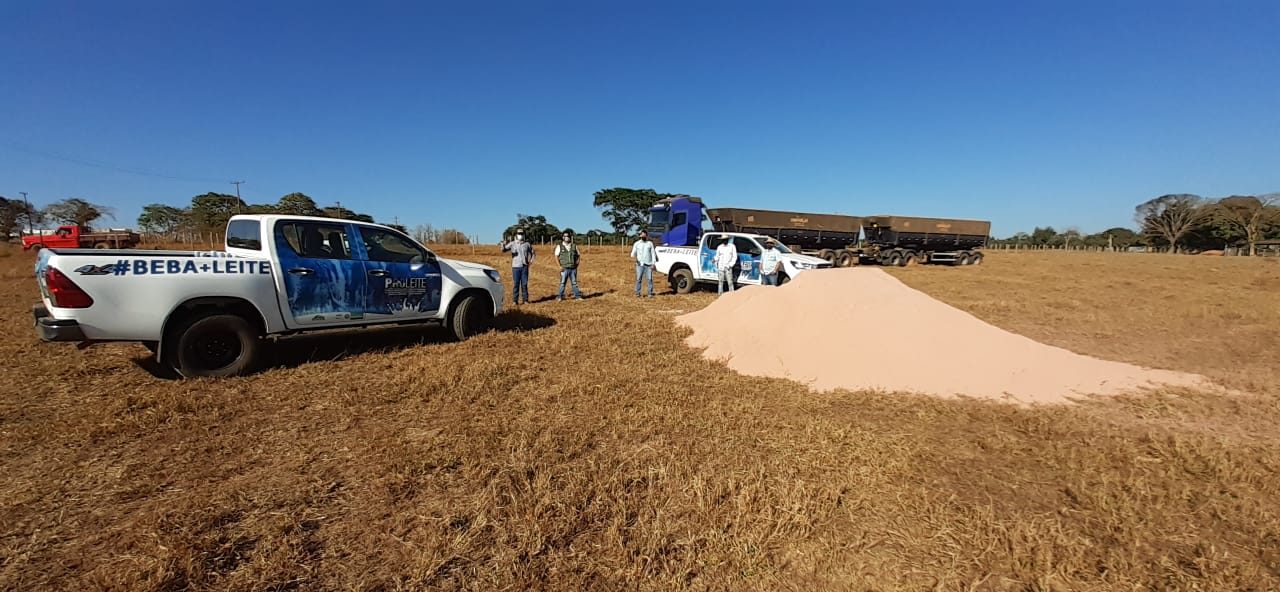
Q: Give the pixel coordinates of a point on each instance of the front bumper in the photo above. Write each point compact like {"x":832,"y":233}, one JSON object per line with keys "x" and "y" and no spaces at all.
{"x":51,"y":329}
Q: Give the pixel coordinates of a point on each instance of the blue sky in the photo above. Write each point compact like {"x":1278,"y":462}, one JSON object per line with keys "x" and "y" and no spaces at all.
{"x":464,"y":114}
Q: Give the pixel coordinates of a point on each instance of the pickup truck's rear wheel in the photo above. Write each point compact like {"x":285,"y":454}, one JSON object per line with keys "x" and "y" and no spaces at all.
{"x":682,"y":281}
{"x":473,"y":316}
{"x":102,"y":245}
{"x":782,"y":278}
{"x":213,"y":345}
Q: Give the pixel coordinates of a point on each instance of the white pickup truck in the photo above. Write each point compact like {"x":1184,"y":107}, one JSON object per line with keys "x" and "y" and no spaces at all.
{"x":207,"y":313}
{"x":685,"y":267}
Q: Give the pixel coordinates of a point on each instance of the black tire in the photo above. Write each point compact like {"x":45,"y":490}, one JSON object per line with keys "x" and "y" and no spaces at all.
{"x":847,"y":259}
{"x":910,"y":259}
{"x":213,"y":345}
{"x":151,"y":345}
{"x":828,"y":255}
{"x":975,"y":259}
{"x":102,"y":245}
{"x":682,"y":281}
{"x":894,"y":259}
{"x":783,"y":278}
{"x":471,"y":317}
{"x":963,"y":259}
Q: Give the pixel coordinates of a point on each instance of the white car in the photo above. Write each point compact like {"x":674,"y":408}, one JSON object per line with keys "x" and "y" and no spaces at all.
{"x":205,"y":313}
{"x":685,"y":267}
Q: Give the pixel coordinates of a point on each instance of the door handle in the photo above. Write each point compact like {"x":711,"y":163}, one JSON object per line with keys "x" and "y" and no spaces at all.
{"x":301,"y":271}
{"x":379,"y":272}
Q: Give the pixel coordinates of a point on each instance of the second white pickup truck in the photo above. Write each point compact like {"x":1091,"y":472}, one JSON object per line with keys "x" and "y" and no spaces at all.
{"x":686,"y":267}
{"x":207,"y":313}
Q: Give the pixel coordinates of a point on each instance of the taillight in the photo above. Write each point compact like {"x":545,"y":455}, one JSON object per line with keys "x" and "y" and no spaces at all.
{"x":64,"y":292}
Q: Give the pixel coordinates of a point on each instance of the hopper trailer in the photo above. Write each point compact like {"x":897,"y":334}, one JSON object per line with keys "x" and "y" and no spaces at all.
{"x":843,"y":240}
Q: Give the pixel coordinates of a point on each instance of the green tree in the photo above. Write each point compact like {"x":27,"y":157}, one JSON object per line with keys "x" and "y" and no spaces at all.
{"x":1245,"y":217}
{"x":535,"y":228}
{"x":11,"y":212}
{"x":1169,"y":218}
{"x":76,"y":211}
{"x":1044,"y":237}
{"x":297,"y":204}
{"x":161,"y":219}
{"x":210,"y":211}
{"x":1117,"y":238}
{"x":342,"y":213}
{"x":627,"y":209}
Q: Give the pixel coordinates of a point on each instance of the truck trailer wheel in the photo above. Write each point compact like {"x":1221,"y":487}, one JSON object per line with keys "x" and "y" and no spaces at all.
{"x":962,"y":259}
{"x":682,"y":281}
{"x":213,"y":345}
{"x":910,"y":259}
{"x":847,"y":259}
{"x":471,"y":317}
{"x":894,"y":259}
{"x":828,"y":255}
{"x":102,"y":245}
{"x":975,"y":259}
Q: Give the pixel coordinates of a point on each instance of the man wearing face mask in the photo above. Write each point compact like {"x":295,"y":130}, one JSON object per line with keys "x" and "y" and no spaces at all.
{"x":567,"y":254}
{"x":521,"y":258}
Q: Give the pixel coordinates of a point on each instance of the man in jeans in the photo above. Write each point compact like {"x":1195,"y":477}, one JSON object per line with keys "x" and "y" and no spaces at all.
{"x":567,"y":254}
{"x":642,"y":251}
{"x":726,"y":261}
{"x":521,"y":258}
{"x":770,"y":261}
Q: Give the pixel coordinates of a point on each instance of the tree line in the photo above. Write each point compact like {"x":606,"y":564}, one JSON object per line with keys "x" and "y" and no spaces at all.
{"x":207,"y":214}
{"x":1176,"y":222}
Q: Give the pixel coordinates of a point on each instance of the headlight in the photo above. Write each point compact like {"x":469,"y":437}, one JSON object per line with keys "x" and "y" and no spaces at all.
{"x":493,"y":275}
{"x":803,"y":265}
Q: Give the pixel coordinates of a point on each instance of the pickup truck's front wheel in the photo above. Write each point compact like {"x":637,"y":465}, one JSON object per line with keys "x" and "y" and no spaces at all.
{"x":473,"y":316}
{"x":682,"y":281}
{"x":214,"y":345}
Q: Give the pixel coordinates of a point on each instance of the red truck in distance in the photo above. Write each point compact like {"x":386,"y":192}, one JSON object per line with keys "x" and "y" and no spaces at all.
{"x":79,"y":237}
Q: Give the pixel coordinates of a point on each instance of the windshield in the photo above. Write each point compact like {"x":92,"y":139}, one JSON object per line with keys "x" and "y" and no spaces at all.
{"x":659,"y":217}
{"x":781,"y":247}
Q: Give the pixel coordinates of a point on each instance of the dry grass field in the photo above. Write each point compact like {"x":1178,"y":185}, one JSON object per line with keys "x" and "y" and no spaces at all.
{"x":582,"y":446}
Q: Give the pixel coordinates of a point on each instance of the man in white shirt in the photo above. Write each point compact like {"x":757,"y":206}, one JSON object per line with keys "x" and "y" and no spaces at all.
{"x":726,"y":261}
{"x":643,"y":252}
{"x":770,"y":262}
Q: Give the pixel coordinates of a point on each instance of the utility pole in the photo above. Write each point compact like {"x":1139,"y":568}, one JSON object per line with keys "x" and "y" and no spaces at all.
{"x":237,"y":184}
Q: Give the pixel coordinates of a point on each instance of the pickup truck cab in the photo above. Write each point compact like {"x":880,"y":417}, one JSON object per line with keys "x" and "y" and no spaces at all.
{"x":207,"y":313}
{"x":685,"y":267}
{"x":76,"y":237}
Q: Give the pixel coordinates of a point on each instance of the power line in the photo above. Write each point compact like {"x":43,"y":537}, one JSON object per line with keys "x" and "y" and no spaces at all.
{"x":106,"y":165}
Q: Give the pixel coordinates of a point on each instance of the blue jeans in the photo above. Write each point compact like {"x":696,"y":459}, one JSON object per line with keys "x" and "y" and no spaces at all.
{"x":642,"y":272}
{"x":569,"y":275}
{"x":519,"y":284}
{"x":769,"y":279}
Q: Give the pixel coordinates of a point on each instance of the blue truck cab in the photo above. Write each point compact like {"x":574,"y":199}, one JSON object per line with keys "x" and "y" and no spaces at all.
{"x":677,"y":221}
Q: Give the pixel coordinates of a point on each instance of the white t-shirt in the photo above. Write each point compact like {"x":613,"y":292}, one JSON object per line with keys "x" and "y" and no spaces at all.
{"x":726,"y":256}
{"x":770,"y":261}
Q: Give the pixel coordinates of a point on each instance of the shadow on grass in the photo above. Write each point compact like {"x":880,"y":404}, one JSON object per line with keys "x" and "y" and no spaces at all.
{"x":569,"y":296}
{"x":292,"y":351}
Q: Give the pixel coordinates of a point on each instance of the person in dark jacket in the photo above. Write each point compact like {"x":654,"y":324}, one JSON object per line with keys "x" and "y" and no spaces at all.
{"x":567,"y":254}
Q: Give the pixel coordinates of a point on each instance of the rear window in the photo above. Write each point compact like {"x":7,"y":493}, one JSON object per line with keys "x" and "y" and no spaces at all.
{"x":244,"y":234}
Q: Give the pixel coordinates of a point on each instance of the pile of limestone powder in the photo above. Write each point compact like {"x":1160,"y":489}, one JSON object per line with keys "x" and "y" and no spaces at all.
{"x":862,"y":329}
